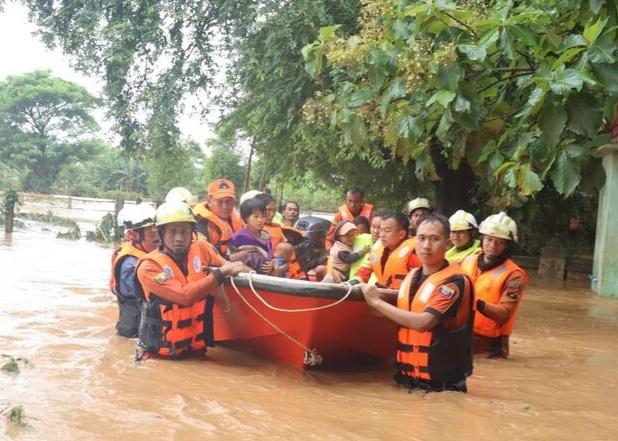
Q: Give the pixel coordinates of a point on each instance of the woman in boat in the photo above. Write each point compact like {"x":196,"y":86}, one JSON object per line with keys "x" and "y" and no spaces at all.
{"x":178,"y":286}
{"x":341,"y":255}
{"x":373,"y":240}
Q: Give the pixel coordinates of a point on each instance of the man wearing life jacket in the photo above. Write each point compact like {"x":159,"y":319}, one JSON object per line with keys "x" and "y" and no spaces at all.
{"x":463,"y":228}
{"x":217,"y":218}
{"x":417,"y":209}
{"x":178,"y":286}
{"x":142,"y":238}
{"x":498,"y":285}
{"x":354,"y":206}
{"x":435,"y":314}
{"x":395,"y":257}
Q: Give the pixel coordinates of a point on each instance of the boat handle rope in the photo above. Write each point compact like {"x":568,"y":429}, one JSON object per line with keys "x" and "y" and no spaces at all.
{"x":311,"y":357}
{"x":316,"y":308}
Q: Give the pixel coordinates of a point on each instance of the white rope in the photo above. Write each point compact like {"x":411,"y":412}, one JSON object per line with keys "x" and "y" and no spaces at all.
{"x":316,"y":308}
{"x":312,"y":358}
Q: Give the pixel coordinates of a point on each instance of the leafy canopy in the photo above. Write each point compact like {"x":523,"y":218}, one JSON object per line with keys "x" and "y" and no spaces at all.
{"x":521,"y":91}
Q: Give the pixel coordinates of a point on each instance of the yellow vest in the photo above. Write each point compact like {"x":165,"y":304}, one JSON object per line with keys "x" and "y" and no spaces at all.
{"x":453,"y":255}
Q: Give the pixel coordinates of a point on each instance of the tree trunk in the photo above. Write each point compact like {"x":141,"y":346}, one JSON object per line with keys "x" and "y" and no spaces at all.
{"x":454,"y":189}
{"x":248,"y":172}
{"x":8,"y":221}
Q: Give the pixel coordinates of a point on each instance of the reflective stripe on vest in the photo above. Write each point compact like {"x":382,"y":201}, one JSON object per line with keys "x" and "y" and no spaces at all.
{"x":396,"y":267}
{"x":489,"y":286}
{"x":124,"y":250}
{"x":219,"y":232}
{"x":169,"y":329}
{"x":439,"y":354}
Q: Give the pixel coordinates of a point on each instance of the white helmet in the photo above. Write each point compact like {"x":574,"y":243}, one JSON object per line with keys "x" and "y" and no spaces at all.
{"x":181,"y":194}
{"x":140,"y":216}
{"x":249,"y":195}
{"x":175,"y":211}
{"x":462,"y":220}
{"x":123,"y":215}
{"x":499,"y":225}
{"x":417,"y":203}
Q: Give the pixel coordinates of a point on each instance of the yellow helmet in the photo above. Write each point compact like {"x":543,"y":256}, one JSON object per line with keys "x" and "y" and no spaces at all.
{"x":462,"y":220}
{"x":417,"y":203}
{"x":499,"y":225}
{"x":140,"y":216}
{"x":181,"y":194}
{"x":175,"y":211}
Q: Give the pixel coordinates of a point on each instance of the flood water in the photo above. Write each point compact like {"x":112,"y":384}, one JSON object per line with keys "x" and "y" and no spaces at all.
{"x":56,"y":311}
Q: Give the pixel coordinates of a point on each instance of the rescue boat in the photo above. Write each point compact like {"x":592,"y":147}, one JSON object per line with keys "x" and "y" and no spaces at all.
{"x":301,"y":323}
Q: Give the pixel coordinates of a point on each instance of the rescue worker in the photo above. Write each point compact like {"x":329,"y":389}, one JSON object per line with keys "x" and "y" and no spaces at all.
{"x":141,"y":238}
{"x":291,"y":211}
{"x":354,"y":206}
{"x":178,"y":286}
{"x":417,"y":209}
{"x":463,"y":228}
{"x":498,"y":285}
{"x":435,"y":314}
{"x":217,"y":218}
{"x":181,"y":194}
{"x":394,"y":258}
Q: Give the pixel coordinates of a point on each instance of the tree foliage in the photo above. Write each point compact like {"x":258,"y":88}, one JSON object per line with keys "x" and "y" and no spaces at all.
{"x":45,"y":122}
{"x":521,"y":91}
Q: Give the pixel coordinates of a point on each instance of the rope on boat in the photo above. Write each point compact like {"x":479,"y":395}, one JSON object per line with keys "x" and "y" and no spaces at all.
{"x":317,"y":308}
{"x":311,"y":358}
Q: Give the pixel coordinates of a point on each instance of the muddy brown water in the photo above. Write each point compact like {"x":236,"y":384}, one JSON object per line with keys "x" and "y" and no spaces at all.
{"x":56,"y":311}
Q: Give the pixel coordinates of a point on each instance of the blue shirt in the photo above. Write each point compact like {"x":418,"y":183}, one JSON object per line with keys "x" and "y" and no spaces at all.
{"x":128,"y":285}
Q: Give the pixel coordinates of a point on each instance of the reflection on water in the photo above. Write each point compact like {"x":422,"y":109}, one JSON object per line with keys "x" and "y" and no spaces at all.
{"x":56,"y":311}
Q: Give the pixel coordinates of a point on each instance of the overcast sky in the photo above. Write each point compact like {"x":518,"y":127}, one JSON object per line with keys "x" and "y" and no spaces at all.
{"x":22,"y":52}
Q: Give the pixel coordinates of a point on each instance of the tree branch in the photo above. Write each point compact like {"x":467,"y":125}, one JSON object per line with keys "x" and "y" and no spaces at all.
{"x":452,"y":17}
{"x":502,"y":80}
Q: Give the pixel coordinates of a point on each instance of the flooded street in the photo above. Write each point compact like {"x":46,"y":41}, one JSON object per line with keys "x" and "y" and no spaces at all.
{"x":56,"y":311}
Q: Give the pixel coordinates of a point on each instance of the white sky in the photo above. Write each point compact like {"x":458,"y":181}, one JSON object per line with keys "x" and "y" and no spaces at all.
{"x":22,"y":52}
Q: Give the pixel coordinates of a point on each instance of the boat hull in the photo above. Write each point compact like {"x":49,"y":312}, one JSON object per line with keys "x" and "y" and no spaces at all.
{"x":344,"y":335}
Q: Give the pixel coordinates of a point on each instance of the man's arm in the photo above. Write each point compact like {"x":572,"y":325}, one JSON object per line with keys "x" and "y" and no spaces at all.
{"x":128,"y":285}
{"x":509,"y":299}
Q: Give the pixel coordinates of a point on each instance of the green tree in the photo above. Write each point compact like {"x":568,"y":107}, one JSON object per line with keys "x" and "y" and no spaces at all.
{"x":519,"y":93}
{"x":223,"y":161}
{"x":45,"y":122}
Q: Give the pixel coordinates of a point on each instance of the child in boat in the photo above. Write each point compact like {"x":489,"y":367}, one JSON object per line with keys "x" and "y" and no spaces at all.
{"x":341,"y":255}
{"x":284,"y":253}
{"x":252,"y":244}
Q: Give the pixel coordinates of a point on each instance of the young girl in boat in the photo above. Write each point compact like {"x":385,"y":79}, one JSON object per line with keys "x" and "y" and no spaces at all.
{"x":341,"y":255}
{"x":252,"y":244}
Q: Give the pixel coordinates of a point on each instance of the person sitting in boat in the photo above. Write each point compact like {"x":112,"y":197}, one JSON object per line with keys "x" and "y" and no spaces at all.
{"x":178,"y":286}
{"x":354,"y":206}
{"x":395,"y":256}
{"x":142,"y":238}
{"x":498,"y":285}
{"x":435,"y":314}
{"x":290,"y":213}
{"x":311,"y":253}
{"x":463,"y":228}
{"x":278,"y":231}
{"x":417,"y":209}
{"x":252,"y":244}
{"x":217,"y":218}
{"x":341,"y":257}
{"x":283,"y":256}
{"x":373,"y":240}
{"x":363,"y":240}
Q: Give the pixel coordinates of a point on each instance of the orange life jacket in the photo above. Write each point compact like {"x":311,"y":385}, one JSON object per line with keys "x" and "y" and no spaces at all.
{"x":276,"y":234}
{"x":396,"y":267}
{"x":295,"y":271}
{"x":170,"y":329}
{"x":125,"y":249}
{"x":489,"y":286}
{"x":346,"y":214}
{"x":216,"y":231}
{"x":444,"y":353}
